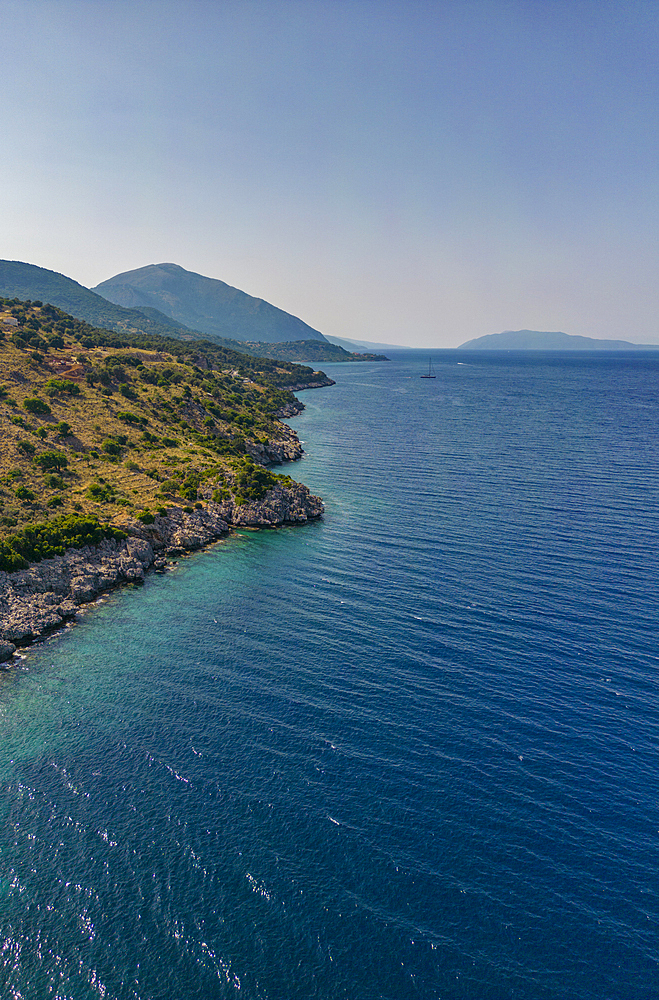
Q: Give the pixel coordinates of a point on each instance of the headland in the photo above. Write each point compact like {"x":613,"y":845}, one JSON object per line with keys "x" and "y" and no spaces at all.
{"x":118,"y":451}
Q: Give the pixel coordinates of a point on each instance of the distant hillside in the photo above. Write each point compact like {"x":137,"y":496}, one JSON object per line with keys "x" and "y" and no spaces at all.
{"x":364,"y":345}
{"x":535,"y":340}
{"x":205,"y":304}
{"x":302,"y":351}
{"x":28,"y":282}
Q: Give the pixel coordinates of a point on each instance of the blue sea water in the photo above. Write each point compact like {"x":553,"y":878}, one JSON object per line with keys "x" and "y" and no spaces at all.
{"x":410,"y":751}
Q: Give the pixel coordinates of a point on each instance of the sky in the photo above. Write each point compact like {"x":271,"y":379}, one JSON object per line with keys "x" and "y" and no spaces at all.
{"x":398,"y":172}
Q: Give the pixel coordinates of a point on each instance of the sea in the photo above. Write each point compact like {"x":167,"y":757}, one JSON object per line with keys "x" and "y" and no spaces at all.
{"x":407,"y":751}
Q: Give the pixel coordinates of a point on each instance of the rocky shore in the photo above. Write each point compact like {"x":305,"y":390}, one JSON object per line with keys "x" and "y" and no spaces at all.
{"x":36,"y":600}
{"x":286,"y":448}
{"x":317,"y":383}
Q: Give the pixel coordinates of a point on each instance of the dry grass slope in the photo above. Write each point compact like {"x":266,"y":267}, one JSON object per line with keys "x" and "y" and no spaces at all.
{"x":120,"y":433}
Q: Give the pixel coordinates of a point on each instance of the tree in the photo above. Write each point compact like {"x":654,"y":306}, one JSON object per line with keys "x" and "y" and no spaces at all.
{"x":51,"y":460}
{"x":36,"y":405}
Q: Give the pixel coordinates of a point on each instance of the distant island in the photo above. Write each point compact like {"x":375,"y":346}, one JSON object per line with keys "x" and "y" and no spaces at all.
{"x":537,"y":340}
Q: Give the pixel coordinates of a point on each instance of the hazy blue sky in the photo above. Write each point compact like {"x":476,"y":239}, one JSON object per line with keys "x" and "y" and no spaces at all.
{"x":414,"y":173}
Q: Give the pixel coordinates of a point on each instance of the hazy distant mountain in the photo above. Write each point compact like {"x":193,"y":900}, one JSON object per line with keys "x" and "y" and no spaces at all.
{"x":205,"y":304}
{"x":536,"y":340}
{"x":27,"y":281}
{"x":361,"y":345}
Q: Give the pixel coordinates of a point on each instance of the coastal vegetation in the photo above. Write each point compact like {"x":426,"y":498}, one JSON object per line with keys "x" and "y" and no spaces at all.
{"x":99,"y":428}
{"x":303,"y":351}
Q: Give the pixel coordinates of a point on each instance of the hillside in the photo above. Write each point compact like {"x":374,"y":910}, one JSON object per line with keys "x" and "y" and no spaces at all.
{"x":29,"y":282}
{"x":535,"y":340}
{"x":302,"y":351}
{"x":114,"y":427}
{"x":205,"y":304}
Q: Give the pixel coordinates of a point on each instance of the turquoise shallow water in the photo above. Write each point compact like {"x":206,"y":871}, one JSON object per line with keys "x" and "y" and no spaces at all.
{"x":407,"y":751}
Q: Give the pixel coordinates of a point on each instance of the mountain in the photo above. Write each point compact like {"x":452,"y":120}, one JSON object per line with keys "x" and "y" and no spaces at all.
{"x":536,"y":340}
{"x":29,"y":282}
{"x":205,"y":304}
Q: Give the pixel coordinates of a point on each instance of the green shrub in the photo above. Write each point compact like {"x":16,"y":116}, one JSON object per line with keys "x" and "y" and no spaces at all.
{"x":101,"y":492}
{"x":146,"y":517}
{"x":53,"y":482}
{"x":58,"y":386}
{"x":168,"y":442}
{"x":51,"y":460}
{"x":45,"y":540}
{"x":11,"y":561}
{"x":128,"y":418}
{"x":111,"y":447}
{"x":252,"y":481}
{"x":190,"y":485}
{"x":63,"y":428}
{"x":26,"y":446}
{"x":55,"y":501}
{"x":36,"y":405}
{"x":23,"y":493}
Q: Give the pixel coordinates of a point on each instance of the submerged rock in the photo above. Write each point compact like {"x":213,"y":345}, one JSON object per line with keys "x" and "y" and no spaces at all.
{"x":7,"y":650}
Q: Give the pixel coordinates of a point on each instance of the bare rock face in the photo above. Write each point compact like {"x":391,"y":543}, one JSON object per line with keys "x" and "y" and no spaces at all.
{"x":290,"y":409}
{"x":36,"y":600}
{"x":281,"y":505}
{"x":182,"y":531}
{"x":286,"y":448}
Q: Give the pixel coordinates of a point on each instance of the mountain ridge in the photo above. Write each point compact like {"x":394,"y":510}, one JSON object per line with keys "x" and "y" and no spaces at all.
{"x":209,"y":305}
{"x":29,"y":282}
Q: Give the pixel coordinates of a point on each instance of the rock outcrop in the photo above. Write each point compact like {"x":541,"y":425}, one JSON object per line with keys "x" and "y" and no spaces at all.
{"x":281,"y":505}
{"x":43,"y":597}
{"x":286,"y":448}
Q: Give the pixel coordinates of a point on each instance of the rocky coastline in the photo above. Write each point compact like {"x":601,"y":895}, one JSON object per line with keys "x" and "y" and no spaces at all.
{"x":37,"y":600}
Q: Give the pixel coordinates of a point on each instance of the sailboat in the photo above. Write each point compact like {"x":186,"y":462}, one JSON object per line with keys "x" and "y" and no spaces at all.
{"x":431,"y":370}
